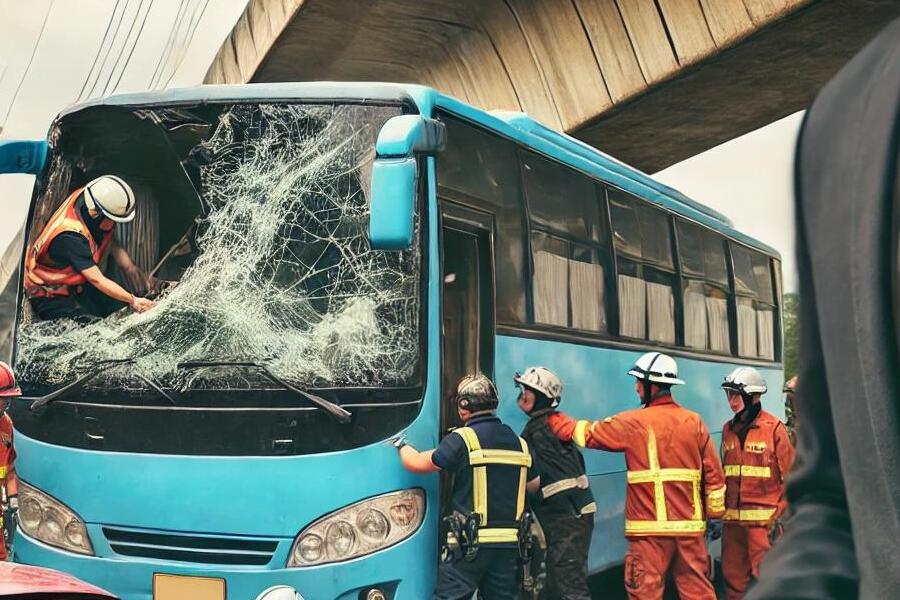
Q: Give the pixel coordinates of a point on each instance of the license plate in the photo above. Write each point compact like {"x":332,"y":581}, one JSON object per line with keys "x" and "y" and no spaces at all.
{"x":180,"y":587}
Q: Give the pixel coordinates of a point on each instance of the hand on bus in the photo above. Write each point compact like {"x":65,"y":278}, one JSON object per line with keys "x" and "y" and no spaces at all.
{"x":142,"y":304}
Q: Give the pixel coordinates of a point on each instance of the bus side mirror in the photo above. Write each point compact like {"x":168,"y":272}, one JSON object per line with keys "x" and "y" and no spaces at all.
{"x":394,"y":177}
{"x":23,"y":156}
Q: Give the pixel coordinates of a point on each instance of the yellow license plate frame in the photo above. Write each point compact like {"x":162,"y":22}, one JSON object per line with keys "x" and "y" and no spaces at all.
{"x":187,"y":587}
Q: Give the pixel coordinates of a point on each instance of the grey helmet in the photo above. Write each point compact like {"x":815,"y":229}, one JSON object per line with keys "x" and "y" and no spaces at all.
{"x":746,"y":381}
{"x":476,"y":393}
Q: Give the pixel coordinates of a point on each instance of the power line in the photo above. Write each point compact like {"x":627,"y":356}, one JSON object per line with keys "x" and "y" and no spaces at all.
{"x":133,"y":46}
{"x":108,"y":49}
{"x":99,"y":50}
{"x":30,"y":60}
{"x":187,"y":45}
{"x":178,"y":42}
{"x":167,"y":49}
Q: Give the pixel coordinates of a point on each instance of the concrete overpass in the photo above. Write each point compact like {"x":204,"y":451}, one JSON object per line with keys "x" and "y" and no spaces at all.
{"x":651,"y":82}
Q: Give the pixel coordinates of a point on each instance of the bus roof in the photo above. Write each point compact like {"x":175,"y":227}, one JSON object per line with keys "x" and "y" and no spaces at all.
{"x":514,"y":125}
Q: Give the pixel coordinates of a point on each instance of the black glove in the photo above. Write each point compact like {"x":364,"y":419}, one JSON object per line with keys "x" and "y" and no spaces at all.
{"x":776,"y":530}
{"x":713,"y":530}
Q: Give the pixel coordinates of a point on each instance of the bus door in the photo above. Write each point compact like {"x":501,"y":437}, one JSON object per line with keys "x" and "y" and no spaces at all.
{"x":467,"y":308}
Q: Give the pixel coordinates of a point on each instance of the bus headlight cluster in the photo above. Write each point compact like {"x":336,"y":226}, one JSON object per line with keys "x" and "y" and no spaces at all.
{"x":359,"y":529}
{"x":51,"y":522}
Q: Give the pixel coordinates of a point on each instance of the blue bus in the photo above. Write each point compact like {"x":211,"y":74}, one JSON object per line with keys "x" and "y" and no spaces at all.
{"x":336,"y":256}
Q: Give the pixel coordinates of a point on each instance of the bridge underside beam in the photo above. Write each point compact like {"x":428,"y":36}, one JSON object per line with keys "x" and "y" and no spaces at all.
{"x":649,"y":82}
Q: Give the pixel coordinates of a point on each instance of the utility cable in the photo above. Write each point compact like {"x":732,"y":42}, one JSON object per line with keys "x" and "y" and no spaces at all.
{"x":167,"y":49}
{"x":112,"y":43}
{"x":99,"y":50}
{"x":133,"y":45}
{"x":30,"y":60}
{"x":178,"y":43}
{"x":187,"y":45}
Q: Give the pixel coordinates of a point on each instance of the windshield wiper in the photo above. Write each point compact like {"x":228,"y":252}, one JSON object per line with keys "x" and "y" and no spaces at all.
{"x":341,"y":414}
{"x":98,"y":369}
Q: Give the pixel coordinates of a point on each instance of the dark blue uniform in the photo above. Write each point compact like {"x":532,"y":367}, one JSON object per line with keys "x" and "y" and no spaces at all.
{"x":495,"y":569}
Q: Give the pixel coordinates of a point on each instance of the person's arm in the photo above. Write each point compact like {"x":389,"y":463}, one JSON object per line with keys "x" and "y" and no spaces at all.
{"x":713,"y":475}
{"x":534,"y":485}
{"x":140,"y":282}
{"x":784,"y":455}
{"x":112,"y":289}
{"x":417,"y":462}
{"x":610,"y":434}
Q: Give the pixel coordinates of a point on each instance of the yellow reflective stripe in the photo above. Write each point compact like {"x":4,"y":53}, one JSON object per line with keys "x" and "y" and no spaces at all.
{"x":747,"y":471}
{"x":589,"y":508}
{"x":500,"y":457}
{"x":715,"y":500}
{"x":751,"y":514}
{"x":562,"y":485}
{"x":497,"y":535}
{"x":523,"y":480}
{"x":663,"y":474}
{"x":659,"y":494}
{"x":663,"y":527}
{"x":579,"y":436}
{"x":3,"y":471}
{"x":479,"y":474}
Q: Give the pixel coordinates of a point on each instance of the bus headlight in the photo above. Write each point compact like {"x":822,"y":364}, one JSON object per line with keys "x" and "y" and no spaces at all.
{"x":359,"y":529}
{"x":51,"y":522}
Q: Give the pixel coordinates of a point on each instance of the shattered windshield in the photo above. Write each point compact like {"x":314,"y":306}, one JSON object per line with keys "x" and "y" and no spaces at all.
{"x":254,"y":219}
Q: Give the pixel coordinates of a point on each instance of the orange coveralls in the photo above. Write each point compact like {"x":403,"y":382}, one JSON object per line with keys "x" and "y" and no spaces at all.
{"x":673,"y":467}
{"x":7,"y":468}
{"x":754,"y":496}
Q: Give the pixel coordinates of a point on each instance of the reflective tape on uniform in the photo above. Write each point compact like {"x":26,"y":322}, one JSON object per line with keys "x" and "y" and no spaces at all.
{"x":497,"y":535}
{"x":580,"y":482}
{"x":579,"y":436}
{"x":747,"y":471}
{"x":687,"y":527}
{"x":752,"y":515}
{"x":589,"y":508}
{"x":3,"y":471}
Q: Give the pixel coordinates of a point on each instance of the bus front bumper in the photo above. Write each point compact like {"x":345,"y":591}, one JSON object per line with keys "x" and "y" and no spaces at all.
{"x":400,"y":571}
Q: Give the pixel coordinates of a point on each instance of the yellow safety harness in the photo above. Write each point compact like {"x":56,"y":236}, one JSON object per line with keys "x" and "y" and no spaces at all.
{"x":479,"y":459}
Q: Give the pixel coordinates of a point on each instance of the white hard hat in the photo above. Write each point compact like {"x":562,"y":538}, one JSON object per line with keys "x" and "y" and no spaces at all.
{"x":745,"y":380}
{"x":543,"y":380}
{"x":280,"y":592}
{"x":111,"y":197}
{"x":657,"y":368}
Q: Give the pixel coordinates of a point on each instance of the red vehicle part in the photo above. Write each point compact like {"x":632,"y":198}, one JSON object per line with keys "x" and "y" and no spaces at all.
{"x":21,"y":582}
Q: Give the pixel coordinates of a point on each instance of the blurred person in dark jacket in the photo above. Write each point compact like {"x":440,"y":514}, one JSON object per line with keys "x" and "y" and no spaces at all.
{"x":843,"y":537}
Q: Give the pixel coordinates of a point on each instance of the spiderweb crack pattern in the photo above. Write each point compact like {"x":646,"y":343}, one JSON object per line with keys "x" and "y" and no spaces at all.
{"x":284,"y":273}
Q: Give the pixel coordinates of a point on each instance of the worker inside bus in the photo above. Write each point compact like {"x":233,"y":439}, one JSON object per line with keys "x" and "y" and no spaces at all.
{"x":63,"y":278}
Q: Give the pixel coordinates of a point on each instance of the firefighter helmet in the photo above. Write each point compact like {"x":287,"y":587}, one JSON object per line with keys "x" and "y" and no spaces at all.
{"x":476,"y":393}
{"x":8,"y":385}
{"x":543,"y":380}
{"x":745,"y":380}
{"x":656,"y":367}
{"x":110,"y":196}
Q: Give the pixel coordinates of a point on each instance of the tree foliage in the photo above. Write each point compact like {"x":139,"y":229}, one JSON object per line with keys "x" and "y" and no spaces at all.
{"x":791,"y":322}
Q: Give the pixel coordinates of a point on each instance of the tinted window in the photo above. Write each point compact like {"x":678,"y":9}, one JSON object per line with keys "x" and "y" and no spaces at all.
{"x":640,"y":231}
{"x":702,"y":252}
{"x":755,"y":308}
{"x":482,"y":170}
{"x":561,"y":199}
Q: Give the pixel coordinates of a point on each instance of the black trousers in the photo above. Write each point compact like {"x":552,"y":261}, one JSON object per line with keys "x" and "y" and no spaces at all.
{"x":494,"y":572}
{"x":83,"y":306}
{"x":568,"y":542}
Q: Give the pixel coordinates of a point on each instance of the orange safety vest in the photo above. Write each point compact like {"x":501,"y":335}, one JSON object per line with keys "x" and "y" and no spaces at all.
{"x":754,"y":473}
{"x":43,"y":278}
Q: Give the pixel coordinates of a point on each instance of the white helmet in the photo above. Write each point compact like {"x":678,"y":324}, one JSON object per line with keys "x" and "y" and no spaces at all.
{"x":656,"y":367}
{"x":111,"y":197}
{"x":745,"y":380}
{"x":280,"y":592}
{"x":542,"y":380}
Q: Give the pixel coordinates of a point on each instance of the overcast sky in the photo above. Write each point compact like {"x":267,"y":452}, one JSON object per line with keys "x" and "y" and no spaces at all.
{"x":748,"y":179}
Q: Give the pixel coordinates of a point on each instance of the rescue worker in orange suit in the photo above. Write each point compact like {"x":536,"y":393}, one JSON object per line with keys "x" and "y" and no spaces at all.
{"x":675,"y":482}
{"x":791,"y":418}
{"x":566,"y":507}
{"x":62,"y":272}
{"x":757,"y":455}
{"x":9,"y":485}
{"x":492,"y":467}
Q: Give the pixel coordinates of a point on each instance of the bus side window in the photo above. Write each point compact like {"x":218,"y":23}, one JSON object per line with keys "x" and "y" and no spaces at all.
{"x":646,"y":269}
{"x":755,"y":303}
{"x":481,"y":170}
{"x":569,"y":244}
{"x":706,"y":290}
